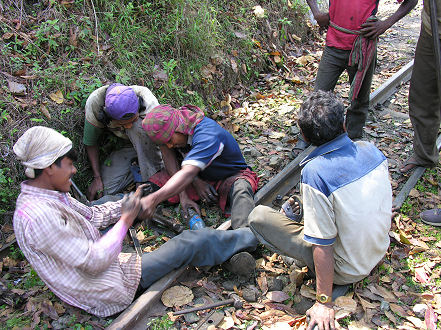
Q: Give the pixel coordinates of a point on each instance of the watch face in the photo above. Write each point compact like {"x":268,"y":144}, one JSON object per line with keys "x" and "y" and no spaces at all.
{"x":323,"y":298}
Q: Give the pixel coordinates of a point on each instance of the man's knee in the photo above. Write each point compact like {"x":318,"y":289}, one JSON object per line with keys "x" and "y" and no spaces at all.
{"x":258,"y":215}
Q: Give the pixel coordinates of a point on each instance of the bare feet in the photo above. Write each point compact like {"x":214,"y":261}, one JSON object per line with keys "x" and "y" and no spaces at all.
{"x":409,"y":165}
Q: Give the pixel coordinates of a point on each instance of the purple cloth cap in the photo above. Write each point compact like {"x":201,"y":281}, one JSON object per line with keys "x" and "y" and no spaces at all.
{"x":120,"y":101}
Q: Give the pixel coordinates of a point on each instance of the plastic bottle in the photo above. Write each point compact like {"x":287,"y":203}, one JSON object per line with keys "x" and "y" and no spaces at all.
{"x":195,"y":222}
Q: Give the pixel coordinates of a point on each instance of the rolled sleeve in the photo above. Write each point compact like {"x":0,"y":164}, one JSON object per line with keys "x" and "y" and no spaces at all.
{"x":319,"y":219}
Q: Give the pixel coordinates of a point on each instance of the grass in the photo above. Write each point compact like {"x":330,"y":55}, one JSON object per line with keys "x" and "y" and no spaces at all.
{"x":184,"y":51}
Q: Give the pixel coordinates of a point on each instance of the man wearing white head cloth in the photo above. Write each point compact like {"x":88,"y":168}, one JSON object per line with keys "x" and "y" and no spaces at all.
{"x":60,"y":236}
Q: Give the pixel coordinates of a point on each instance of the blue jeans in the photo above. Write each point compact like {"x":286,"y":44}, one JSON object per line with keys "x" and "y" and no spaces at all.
{"x":203,"y":247}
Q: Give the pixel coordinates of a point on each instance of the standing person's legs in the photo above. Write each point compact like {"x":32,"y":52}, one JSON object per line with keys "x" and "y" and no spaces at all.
{"x":203,"y":247}
{"x":331,"y":66}
{"x":149,"y":156}
{"x":242,"y":203}
{"x":280,"y":234}
{"x":424,"y":102}
{"x":115,"y":171}
{"x":358,"y":111}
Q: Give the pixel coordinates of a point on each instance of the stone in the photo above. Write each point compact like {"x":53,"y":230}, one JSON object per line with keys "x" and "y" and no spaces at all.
{"x":420,"y":310}
{"x":284,"y":279}
{"x":384,"y":306}
{"x":249,"y":295}
{"x":294,"y":129}
{"x":274,"y":284}
{"x":274,"y":162}
{"x":191,"y":318}
{"x":229,"y":285}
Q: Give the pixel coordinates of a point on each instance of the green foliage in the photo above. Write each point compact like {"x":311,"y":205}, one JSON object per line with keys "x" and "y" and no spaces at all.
{"x":160,"y":323}
{"x":16,"y":253}
{"x":18,"y":322}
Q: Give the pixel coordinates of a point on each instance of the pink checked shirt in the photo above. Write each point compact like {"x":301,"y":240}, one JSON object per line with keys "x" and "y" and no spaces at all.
{"x":58,"y":236}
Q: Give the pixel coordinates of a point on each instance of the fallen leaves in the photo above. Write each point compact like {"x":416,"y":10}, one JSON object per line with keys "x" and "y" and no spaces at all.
{"x":57,"y":97}
{"x":177,"y":296}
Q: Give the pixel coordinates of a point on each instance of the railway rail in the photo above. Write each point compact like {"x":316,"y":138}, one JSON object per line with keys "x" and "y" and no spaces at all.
{"x":136,"y":316}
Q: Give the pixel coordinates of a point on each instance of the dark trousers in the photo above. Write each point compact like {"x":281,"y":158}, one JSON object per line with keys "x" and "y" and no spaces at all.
{"x":424,"y":102}
{"x":203,"y":247}
{"x":332,"y":64}
{"x":241,"y":199}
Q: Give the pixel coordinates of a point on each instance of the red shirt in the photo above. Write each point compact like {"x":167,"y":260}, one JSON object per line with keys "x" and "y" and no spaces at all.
{"x":349,"y":14}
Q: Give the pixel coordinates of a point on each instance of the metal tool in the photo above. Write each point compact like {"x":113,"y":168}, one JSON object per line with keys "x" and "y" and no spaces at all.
{"x":81,"y":196}
{"x":234,"y":300}
{"x":167,"y":223}
{"x":135,"y":240}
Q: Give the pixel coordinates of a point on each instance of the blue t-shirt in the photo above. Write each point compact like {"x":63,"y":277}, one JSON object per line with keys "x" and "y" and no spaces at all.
{"x":214,"y":151}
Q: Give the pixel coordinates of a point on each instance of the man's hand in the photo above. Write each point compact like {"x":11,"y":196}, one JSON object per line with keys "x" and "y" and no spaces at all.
{"x":372,"y":29}
{"x":206,"y":191}
{"x":322,"y":20}
{"x":95,"y":189}
{"x":130,"y":206}
{"x":321,"y":315}
{"x":148,"y":205}
{"x":187,"y":203}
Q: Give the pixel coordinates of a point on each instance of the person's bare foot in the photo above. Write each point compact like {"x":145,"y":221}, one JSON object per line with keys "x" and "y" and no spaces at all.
{"x":409,"y":165}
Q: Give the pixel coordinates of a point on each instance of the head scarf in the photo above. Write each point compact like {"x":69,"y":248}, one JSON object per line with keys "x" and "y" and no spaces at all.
{"x":120,"y":101}
{"x":39,"y":147}
{"x":163,"y":121}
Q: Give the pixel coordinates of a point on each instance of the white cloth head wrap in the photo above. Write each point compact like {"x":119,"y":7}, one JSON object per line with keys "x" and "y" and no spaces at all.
{"x":39,"y":147}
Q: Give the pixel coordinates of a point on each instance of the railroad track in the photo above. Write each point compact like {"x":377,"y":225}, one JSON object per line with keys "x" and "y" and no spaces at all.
{"x":136,"y":315}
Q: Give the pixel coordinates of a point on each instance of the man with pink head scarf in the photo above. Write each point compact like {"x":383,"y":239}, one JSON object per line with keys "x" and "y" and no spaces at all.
{"x":212,"y":162}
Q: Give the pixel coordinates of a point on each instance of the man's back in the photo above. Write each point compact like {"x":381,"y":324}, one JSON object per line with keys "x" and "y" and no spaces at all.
{"x":347,"y":200}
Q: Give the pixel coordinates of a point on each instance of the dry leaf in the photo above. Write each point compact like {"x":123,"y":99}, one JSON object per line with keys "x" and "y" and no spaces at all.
{"x":277,"y":296}
{"x":415,"y":321}
{"x":7,"y":35}
{"x":226,"y":323}
{"x":49,"y":309}
{"x":263,"y":284}
{"x":10,"y":238}
{"x":421,"y":275}
{"x":390,"y":316}
{"x":304,"y":60}
{"x":259,"y":11}
{"x":430,"y":318}
{"x":177,"y":296}
{"x":346,"y":303}
{"x":44,"y":111}
{"x":307,"y":292}
{"x":397,"y":309}
{"x":57,"y":97}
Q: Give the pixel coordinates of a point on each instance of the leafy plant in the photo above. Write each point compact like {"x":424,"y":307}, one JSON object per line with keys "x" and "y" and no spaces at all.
{"x":160,"y":323}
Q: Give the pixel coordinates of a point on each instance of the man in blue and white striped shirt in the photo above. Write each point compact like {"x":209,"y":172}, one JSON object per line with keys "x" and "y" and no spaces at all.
{"x":347,"y":202}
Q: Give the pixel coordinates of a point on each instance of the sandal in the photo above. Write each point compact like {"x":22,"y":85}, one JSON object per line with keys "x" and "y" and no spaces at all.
{"x":289,"y":212}
{"x":299,"y":147}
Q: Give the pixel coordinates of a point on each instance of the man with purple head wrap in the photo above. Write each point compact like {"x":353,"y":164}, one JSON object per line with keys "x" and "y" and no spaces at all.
{"x":120,"y":110}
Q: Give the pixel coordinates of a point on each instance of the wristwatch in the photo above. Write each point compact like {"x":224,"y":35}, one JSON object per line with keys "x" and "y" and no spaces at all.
{"x":322,"y":298}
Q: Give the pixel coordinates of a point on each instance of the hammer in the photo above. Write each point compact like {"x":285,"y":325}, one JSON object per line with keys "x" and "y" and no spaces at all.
{"x":234,"y":300}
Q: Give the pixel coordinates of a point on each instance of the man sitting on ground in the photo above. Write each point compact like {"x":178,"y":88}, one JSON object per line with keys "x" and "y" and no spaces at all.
{"x":59,"y":236}
{"x":119,"y":109}
{"x":347,"y":199}
{"x":214,"y":165}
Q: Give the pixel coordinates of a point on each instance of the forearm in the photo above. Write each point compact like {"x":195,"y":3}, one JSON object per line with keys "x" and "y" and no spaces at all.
{"x":108,"y":247}
{"x":314,"y":7}
{"x":324,"y":268}
{"x":176,"y":184}
{"x":402,"y":11}
{"x":93,"y":155}
{"x":171,"y":165}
